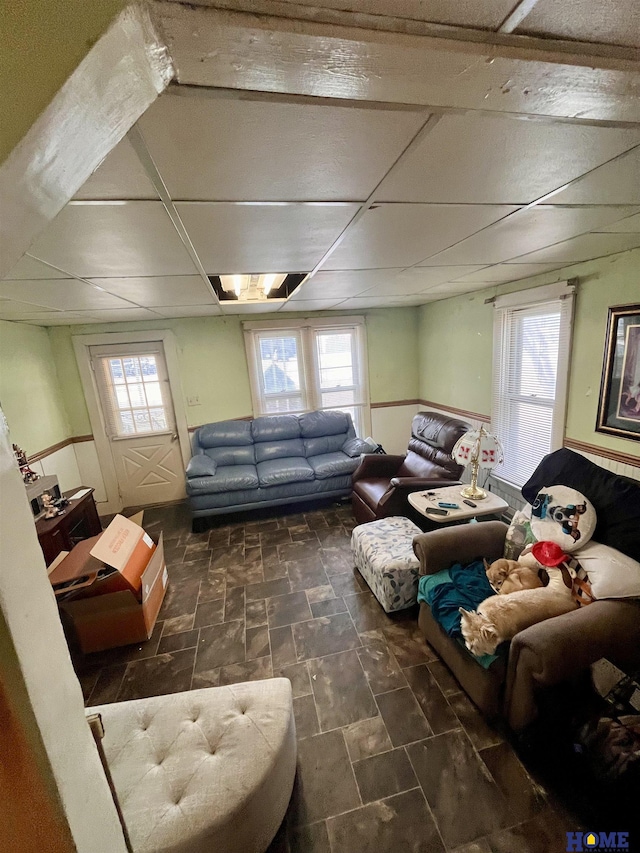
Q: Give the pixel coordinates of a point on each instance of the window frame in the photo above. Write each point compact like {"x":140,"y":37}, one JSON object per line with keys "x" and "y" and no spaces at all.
{"x":312,"y":393}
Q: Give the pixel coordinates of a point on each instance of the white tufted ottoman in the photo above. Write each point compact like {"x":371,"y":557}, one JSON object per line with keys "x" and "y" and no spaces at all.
{"x":208,"y":770}
{"x":383,"y":553}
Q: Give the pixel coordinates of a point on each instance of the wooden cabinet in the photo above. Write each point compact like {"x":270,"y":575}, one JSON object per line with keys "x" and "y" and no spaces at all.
{"x":78,"y":521}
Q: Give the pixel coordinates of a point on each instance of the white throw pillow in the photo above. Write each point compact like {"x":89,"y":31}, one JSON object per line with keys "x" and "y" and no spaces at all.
{"x":611,"y":573}
{"x":564,"y":516}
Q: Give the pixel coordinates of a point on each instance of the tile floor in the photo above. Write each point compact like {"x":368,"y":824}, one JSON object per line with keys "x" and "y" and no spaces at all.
{"x":392,"y":756}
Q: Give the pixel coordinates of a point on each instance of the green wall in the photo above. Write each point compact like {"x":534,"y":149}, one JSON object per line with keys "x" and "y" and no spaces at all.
{"x":30,"y":389}
{"x":41,"y":44}
{"x":213,"y":363}
{"x":455,"y":343}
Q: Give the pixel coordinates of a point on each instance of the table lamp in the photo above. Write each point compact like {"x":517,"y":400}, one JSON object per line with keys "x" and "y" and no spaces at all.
{"x":480,"y":449}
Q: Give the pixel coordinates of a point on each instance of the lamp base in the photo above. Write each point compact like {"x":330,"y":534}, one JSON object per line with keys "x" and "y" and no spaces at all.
{"x":475,"y":493}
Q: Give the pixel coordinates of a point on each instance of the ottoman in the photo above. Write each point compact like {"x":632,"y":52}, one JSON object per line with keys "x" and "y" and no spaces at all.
{"x":205,"y":770}
{"x":383,"y":554}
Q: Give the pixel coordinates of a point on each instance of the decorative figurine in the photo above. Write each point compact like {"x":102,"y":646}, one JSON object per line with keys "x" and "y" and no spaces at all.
{"x":50,"y":511}
{"x":28,"y":475}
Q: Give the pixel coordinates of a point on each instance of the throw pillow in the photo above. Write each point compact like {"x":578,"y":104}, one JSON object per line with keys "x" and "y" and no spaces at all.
{"x":355,"y":446}
{"x":563,"y":515}
{"x":201,"y":466}
{"x":611,"y":573}
{"x":519,"y":534}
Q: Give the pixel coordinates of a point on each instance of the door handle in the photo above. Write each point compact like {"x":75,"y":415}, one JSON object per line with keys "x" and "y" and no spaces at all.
{"x":174,"y":437}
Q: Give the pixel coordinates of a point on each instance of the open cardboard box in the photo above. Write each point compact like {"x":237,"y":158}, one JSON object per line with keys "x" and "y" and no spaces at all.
{"x":112,"y":608}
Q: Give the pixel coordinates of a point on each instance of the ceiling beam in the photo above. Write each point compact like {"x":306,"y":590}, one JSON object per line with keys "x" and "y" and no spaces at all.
{"x":517,"y":15}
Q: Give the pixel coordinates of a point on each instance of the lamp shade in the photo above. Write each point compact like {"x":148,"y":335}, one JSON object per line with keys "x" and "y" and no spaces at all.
{"x":480,"y":447}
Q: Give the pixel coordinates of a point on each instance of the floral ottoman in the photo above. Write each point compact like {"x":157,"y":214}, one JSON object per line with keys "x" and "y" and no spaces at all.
{"x":383,"y":553}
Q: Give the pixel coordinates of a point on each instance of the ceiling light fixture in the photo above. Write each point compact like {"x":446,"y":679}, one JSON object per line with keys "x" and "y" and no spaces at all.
{"x":252,"y":287}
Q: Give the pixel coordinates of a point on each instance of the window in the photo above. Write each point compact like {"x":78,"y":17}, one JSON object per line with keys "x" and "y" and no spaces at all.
{"x":532,"y":338}
{"x":308,"y":365}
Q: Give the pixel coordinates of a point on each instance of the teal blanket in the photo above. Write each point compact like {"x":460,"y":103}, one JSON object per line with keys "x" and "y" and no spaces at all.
{"x":447,"y":591}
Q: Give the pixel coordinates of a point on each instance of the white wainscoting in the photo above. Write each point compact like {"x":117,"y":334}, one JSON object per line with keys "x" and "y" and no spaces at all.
{"x":63,"y":464}
{"x":391,"y":426}
{"x":89,"y":467}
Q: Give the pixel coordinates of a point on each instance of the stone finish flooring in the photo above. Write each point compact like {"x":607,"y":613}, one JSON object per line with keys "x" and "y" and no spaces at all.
{"x":392,"y":756}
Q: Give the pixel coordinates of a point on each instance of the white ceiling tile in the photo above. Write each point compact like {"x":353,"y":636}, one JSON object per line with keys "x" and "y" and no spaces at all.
{"x":342,"y":283}
{"x":614,"y":183}
{"x":135,"y":238}
{"x":189,"y":311}
{"x":31,"y":269}
{"x":528,"y":231}
{"x":610,"y":22}
{"x":466,"y":13}
{"x":400,"y":235}
{"x":65,"y":294}
{"x":584,"y":248}
{"x":120,"y":175}
{"x":312,"y":304}
{"x":630,"y":225}
{"x":505,"y":272}
{"x":160,"y":290}
{"x":244,"y":238}
{"x":419,"y":279}
{"x":235,"y":307}
{"x":224,"y":149}
{"x":357,"y":302}
{"x":496,"y":160}
{"x":60,"y":318}
{"x":117,"y":315}
{"x":11,"y":309}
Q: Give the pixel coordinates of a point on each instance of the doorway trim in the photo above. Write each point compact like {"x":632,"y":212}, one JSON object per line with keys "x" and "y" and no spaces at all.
{"x":81,"y":345}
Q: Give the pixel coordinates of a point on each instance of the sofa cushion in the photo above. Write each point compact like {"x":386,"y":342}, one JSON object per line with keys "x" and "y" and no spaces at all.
{"x":275,"y":428}
{"x":232,"y":455}
{"x":283,"y":449}
{"x":313,"y":424}
{"x":332,"y":464}
{"x":224,"y":434}
{"x":201,"y":466}
{"x":228,"y":478}
{"x":323,"y":444}
{"x":355,"y":446}
{"x":276,"y":472}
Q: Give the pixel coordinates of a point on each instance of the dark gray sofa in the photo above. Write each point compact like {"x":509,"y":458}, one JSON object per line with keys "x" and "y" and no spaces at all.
{"x":241,"y":465}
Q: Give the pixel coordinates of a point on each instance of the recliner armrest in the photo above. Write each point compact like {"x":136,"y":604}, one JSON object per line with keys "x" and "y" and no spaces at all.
{"x":416,"y":483}
{"x":377,"y":465}
{"x":439,"y":549}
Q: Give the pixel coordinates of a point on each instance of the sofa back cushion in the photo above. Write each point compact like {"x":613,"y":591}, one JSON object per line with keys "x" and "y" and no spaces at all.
{"x":283,"y":449}
{"x":615,"y":499}
{"x":275,"y":428}
{"x":226,"y":442}
{"x":324,"y":444}
{"x":315,"y":424}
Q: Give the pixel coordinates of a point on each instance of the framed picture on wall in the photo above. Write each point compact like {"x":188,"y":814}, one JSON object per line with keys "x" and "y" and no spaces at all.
{"x":619,"y":404}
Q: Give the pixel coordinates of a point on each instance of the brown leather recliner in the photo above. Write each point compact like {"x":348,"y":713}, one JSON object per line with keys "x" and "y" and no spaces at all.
{"x":382,"y":483}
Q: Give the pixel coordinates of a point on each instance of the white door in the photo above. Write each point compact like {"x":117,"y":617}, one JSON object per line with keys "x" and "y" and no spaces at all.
{"x":135,"y":396}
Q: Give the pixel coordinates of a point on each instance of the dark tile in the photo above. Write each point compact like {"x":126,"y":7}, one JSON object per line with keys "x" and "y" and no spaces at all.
{"x":310,"y":839}
{"x":181,"y":598}
{"x":328,"y":607}
{"x":195,"y":551}
{"x":268,"y":589}
{"x":366,"y":738}
{"x":325,"y":636}
{"x":337,"y":561}
{"x":255,"y":613}
{"x":261,"y":525}
{"x":283,"y":650}
{"x":524,"y":798}
{"x":225,"y":558}
{"x":302,"y":534}
{"x":236,"y":536}
{"x":234,"y":604}
{"x":169,"y":673}
{"x":219,"y":537}
{"x":220,"y":645}
{"x":298,"y":675}
{"x":407,"y":643}
{"x":213,"y":586}
{"x":348,"y":583}
{"x":381,"y":668}
{"x":341,"y":691}
{"x":366,"y":612}
{"x":251,"y":540}
{"x":257,"y":642}
{"x":431,"y":699}
{"x":176,"y":642}
{"x":210,"y":678}
{"x":279,"y":536}
{"x":542,"y":834}
{"x":272,"y":566}
{"x":107,"y":686}
{"x":315,"y":520}
{"x":400,"y":823}
{"x":306,"y":574}
{"x":480,"y":846}
{"x":254,"y":670}
{"x":402,"y":716}
{"x":245,"y":574}
{"x":304,"y":711}
{"x":334,"y":537}
{"x":481,"y":734}
{"x":384,"y":775}
{"x":178,"y":624}
{"x":320,"y":593}
{"x":461,"y":792}
{"x":443,"y":675}
{"x":324,"y":783}
{"x":287,"y":609}
{"x":253,"y":554}
{"x":179,"y":572}
{"x":209,"y":613}
{"x":296,"y":552}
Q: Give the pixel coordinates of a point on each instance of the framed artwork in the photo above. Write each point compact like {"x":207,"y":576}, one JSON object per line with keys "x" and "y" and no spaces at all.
{"x":619,"y":404}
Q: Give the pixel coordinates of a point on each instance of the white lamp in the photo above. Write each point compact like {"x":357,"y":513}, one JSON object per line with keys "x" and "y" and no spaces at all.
{"x":480,"y":449}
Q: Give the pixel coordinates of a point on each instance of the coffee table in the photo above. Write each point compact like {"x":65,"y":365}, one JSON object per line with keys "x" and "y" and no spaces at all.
{"x":422,"y":501}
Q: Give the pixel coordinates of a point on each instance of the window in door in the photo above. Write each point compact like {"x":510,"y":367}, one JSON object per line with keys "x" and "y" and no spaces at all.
{"x":307,"y":366}
{"x":531,"y":364}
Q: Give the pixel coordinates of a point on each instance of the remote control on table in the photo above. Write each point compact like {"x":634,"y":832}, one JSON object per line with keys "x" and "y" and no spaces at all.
{"x":434,"y":510}
{"x":447,"y":505}
{"x":470,"y":503}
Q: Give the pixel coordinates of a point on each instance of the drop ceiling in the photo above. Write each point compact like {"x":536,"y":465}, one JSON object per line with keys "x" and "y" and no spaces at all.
{"x":382,"y":204}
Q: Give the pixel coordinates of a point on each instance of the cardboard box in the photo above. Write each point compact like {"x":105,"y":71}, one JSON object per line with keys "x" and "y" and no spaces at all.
{"x":114,"y":585}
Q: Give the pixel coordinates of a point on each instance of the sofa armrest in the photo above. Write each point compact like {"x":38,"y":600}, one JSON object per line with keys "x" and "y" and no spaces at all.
{"x":377,"y":465}
{"x":438,"y":549}
{"x":557,"y":649}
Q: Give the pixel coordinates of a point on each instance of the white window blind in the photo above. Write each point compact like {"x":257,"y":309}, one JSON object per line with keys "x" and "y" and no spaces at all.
{"x":531,"y":363}
{"x":311,"y":365}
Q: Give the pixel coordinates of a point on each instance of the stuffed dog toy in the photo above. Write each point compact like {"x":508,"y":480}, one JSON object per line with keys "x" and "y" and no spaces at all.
{"x":501,"y":617}
{"x":507,"y":576}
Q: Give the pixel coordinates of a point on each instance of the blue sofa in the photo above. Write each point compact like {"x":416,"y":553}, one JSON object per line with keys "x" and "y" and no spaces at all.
{"x":241,"y":465}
